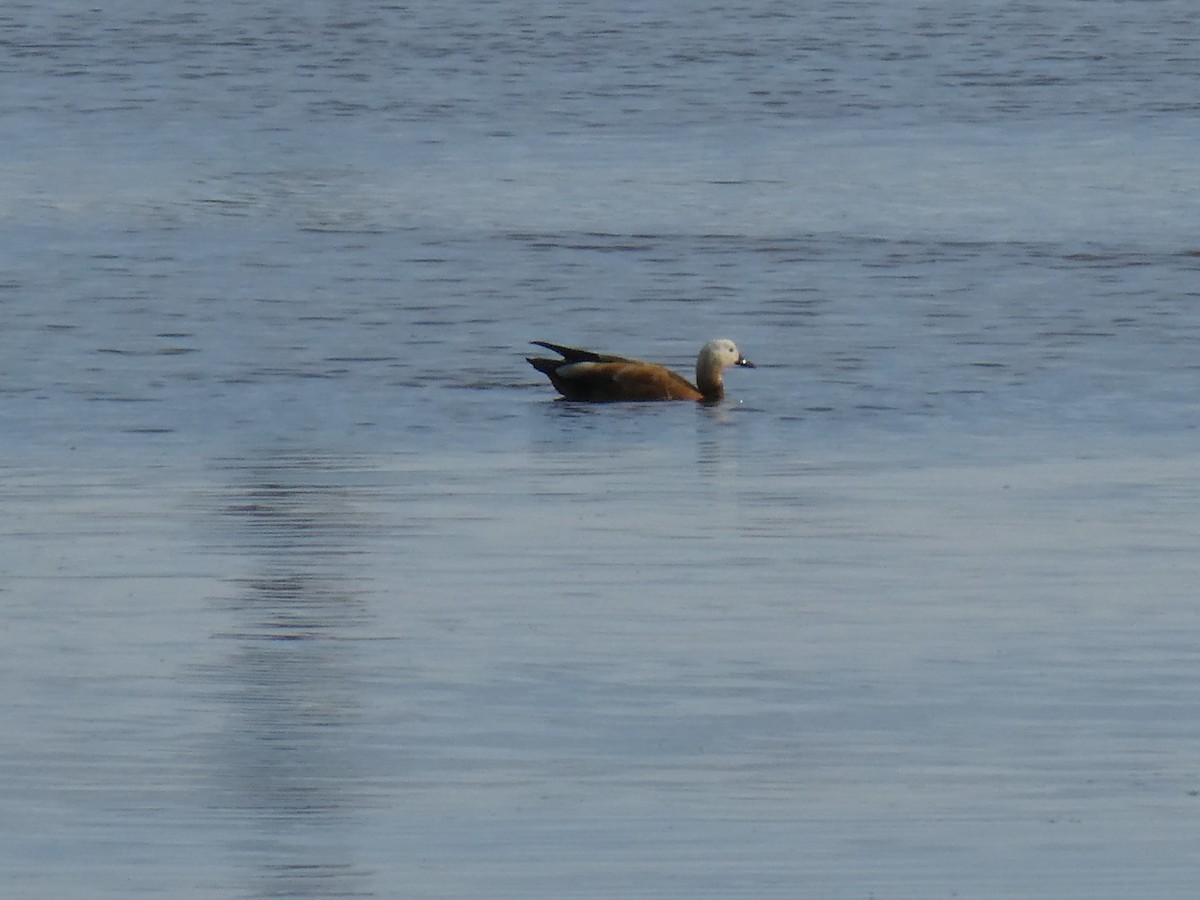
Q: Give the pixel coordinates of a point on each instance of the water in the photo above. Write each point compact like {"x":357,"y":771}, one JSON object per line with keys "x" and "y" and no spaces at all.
{"x":312,"y":589}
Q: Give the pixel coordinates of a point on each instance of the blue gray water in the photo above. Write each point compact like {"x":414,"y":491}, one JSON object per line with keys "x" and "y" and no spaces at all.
{"x":311,"y":588}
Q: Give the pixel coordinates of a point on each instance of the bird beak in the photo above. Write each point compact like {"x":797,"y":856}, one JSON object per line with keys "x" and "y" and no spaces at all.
{"x":745,"y":363}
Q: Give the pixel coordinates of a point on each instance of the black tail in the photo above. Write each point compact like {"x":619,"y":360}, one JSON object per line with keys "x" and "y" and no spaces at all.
{"x":545,"y":366}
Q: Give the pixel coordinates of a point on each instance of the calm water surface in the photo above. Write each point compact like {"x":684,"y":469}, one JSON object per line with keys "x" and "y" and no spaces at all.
{"x":312,"y":589}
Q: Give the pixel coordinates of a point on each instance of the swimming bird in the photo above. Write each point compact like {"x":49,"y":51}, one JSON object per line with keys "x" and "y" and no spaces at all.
{"x":601,"y":378}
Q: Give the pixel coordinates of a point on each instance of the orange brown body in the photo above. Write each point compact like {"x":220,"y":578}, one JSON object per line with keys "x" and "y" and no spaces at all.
{"x":602,"y":378}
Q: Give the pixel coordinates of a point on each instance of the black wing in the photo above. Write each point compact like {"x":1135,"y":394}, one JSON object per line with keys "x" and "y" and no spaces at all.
{"x":574,"y":355}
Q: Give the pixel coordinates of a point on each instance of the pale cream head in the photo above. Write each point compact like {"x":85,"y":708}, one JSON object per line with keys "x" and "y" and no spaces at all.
{"x":715,"y":357}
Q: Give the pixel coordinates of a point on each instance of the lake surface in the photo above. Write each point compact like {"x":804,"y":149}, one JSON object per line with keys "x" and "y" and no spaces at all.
{"x":311,"y":587}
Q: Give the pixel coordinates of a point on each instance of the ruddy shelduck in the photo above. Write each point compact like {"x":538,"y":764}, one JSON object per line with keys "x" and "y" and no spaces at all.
{"x":601,"y":378}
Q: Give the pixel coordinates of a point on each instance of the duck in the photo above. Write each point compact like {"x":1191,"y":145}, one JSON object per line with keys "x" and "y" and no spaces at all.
{"x":603,"y":378}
